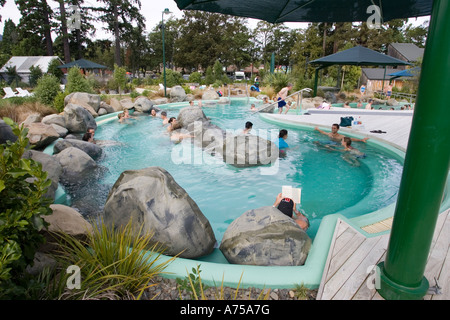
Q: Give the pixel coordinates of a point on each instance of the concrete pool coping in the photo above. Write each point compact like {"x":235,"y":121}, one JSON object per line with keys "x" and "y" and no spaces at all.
{"x":310,"y":274}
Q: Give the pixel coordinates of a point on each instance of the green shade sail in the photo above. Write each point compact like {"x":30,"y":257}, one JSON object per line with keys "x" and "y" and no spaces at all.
{"x":276,"y":11}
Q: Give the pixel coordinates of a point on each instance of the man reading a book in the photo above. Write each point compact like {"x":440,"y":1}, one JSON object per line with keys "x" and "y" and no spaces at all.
{"x":287,"y":206}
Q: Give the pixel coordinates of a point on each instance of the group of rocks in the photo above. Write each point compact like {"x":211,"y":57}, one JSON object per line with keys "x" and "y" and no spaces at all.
{"x":152,"y":198}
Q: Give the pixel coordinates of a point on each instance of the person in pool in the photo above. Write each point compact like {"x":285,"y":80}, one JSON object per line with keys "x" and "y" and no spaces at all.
{"x":350,"y":154}
{"x":335,"y":136}
{"x":287,"y":206}
{"x":248,"y":127}
{"x":282,"y":136}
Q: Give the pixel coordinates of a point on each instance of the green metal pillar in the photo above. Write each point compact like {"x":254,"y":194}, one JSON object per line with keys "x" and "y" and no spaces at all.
{"x":316,"y":79}
{"x":272,"y":63}
{"x":427,"y":164}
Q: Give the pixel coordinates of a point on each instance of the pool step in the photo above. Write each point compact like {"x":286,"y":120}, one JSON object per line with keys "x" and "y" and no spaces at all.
{"x":380,"y":226}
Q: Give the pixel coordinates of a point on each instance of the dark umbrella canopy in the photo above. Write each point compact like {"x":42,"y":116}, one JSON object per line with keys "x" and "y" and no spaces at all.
{"x":82,"y":64}
{"x":276,"y":11}
{"x":359,"y":56}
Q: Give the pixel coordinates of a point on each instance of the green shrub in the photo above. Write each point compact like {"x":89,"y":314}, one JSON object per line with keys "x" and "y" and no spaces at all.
{"x":76,"y":82}
{"x":47,"y":88}
{"x":173,"y":78}
{"x":195,"y":77}
{"x":23,"y":185}
{"x":58,"y":103}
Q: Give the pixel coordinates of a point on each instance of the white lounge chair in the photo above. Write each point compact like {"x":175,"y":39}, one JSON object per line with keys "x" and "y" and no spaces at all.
{"x":9,"y":93}
{"x":23,"y":93}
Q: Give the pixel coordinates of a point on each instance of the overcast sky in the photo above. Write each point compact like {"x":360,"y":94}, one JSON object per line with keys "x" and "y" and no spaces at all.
{"x":151,"y":10}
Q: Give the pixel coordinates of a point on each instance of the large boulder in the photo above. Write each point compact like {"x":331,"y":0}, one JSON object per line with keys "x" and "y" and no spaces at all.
{"x":57,"y":119}
{"x":64,"y":220}
{"x":77,"y":119}
{"x":151,"y":199}
{"x":41,"y":135}
{"x":143,"y":104}
{"x":246,"y":150}
{"x":50,"y":165}
{"x":76,"y":165}
{"x":236,"y":150}
{"x":177,"y":94}
{"x":265,"y":237}
{"x":86,"y":100}
{"x":91,"y":149}
{"x":6,"y":133}
{"x":210,"y":95}
{"x":115,"y":104}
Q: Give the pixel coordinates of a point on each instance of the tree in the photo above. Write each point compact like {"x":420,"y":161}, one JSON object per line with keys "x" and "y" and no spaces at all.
{"x":76,"y":82}
{"x":36,"y":19}
{"x":35,"y":75}
{"x":10,"y":37}
{"x":119,"y":16}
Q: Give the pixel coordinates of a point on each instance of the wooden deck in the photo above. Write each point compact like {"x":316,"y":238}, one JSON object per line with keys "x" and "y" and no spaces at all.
{"x":348,"y":276}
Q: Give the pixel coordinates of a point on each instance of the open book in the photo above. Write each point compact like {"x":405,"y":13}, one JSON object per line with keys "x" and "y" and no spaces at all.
{"x":292,"y":193}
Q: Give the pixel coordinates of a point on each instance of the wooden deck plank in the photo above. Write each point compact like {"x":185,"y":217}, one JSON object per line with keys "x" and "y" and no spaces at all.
{"x":338,"y":260}
{"x":336,"y":282}
{"x":436,"y":265}
{"x":360,"y":275}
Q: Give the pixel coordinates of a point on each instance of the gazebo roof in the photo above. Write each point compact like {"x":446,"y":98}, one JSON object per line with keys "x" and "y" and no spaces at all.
{"x":359,"y":56}
{"x":82,"y":64}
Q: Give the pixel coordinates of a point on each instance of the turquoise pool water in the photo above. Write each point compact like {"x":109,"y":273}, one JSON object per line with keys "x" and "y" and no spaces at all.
{"x":329,"y":184}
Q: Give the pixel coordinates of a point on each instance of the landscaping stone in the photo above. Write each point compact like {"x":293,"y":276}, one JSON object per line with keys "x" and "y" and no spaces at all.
{"x":50,"y":165}
{"x":265,"y":237}
{"x":90,"y":148}
{"x":77,"y":119}
{"x":153,"y":200}
{"x":41,"y":135}
{"x":76,"y":164}
{"x":86,"y":100}
{"x":6,"y":133}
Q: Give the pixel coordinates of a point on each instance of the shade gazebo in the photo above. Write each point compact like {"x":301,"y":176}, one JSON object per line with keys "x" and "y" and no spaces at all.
{"x":427,"y":160}
{"x":83,"y":64}
{"x":356,"y":56}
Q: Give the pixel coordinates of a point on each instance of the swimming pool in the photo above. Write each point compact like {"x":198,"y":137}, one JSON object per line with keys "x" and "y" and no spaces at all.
{"x":329,"y":184}
{"x":223,"y":192}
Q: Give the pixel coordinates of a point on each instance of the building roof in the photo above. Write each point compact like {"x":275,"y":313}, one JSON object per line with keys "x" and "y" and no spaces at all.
{"x":24,"y":63}
{"x":410,"y":51}
{"x":378,"y":73}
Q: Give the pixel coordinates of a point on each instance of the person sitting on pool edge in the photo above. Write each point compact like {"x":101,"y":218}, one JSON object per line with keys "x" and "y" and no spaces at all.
{"x":287,"y":206}
{"x":335,"y":136}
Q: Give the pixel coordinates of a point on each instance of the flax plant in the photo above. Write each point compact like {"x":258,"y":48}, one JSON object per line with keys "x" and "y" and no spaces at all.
{"x":114,"y":263}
